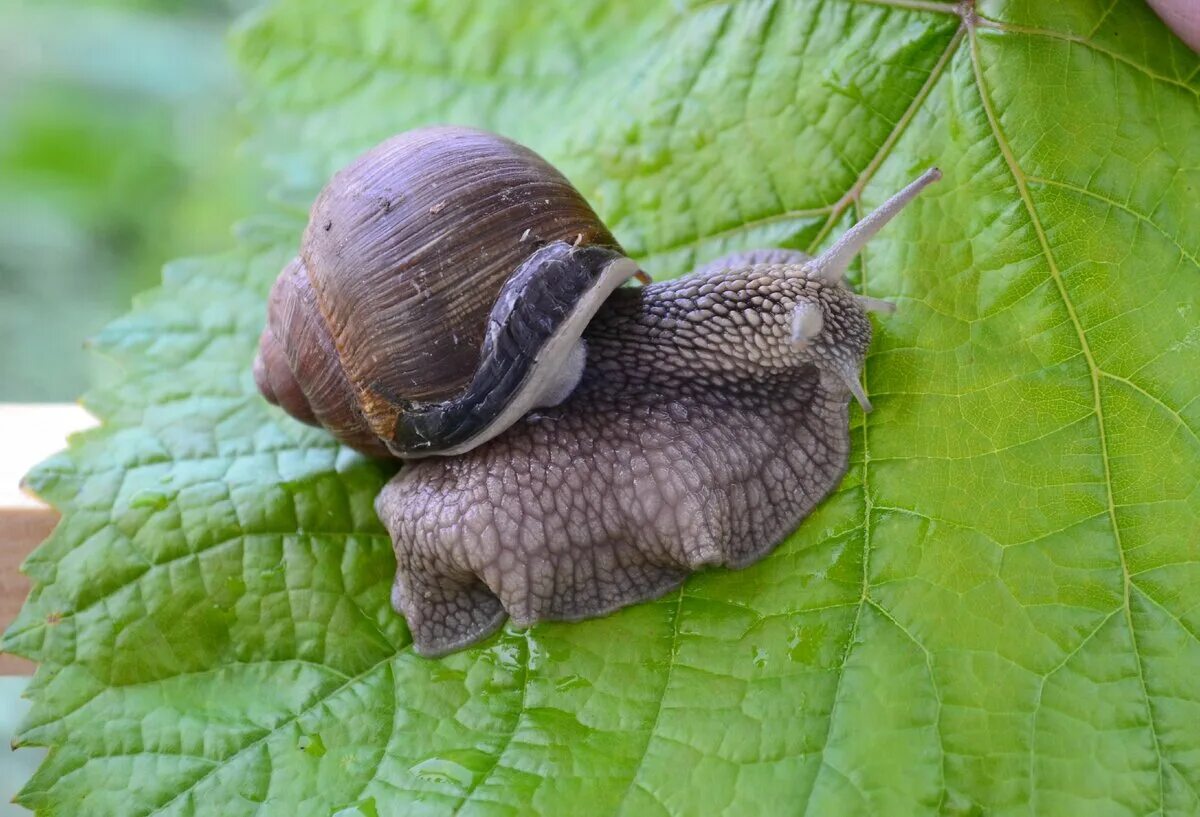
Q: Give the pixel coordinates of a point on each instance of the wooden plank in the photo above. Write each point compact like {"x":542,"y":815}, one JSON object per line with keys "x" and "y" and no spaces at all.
{"x":29,"y":433}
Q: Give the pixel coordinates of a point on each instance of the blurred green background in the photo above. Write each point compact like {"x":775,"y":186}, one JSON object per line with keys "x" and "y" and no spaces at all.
{"x":119,"y":150}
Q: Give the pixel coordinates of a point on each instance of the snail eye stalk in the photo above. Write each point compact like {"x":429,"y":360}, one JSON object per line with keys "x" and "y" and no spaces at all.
{"x":833,"y":263}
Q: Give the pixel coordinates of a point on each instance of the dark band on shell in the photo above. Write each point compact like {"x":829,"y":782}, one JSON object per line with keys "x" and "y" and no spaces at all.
{"x":558,"y":286}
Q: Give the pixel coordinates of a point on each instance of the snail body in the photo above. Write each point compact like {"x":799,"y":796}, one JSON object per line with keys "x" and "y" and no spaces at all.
{"x":606,"y":441}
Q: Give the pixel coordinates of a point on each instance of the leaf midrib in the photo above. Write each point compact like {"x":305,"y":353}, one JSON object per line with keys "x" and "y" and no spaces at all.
{"x":1094,"y":373}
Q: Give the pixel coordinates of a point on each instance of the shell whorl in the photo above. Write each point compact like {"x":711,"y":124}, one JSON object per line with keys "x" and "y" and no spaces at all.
{"x":302,"y":366}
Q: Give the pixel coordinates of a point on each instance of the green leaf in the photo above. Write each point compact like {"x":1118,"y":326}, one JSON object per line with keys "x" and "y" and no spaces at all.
{"x":995,"y":614}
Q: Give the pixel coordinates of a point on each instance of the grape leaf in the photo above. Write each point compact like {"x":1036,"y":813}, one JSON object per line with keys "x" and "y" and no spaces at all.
{"x":996,"y":613}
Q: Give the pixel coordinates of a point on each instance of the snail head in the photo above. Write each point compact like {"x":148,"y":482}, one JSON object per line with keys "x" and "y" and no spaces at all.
{"x":766,"y":313}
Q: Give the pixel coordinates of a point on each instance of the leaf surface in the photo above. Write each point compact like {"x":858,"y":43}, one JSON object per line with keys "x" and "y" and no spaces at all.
{"x":996,"y":613}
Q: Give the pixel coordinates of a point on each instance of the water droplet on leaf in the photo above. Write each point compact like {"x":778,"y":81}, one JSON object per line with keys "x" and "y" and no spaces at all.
{"x":312,"y":744}
{"x":458,"y":768}
{"x":150,"y":499}
{"x":570,"y":682}
{"x":804,"y":644}
{"x":363,"y":808}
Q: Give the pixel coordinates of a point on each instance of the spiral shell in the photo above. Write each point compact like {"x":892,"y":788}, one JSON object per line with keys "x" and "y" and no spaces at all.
{"x":407,"y":249}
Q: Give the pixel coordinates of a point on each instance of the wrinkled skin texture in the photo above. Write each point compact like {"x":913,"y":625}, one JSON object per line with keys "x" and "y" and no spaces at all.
{"x":699,"y":435}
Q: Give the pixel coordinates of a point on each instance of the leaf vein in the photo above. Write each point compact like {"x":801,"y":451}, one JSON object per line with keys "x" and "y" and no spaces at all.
{"x":1094,"y":373}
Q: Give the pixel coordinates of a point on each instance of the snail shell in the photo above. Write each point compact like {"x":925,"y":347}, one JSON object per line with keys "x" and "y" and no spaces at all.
{"x":443,"y":282}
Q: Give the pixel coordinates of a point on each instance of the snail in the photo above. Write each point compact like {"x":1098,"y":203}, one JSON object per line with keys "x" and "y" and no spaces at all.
{"x":572,"y":445}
